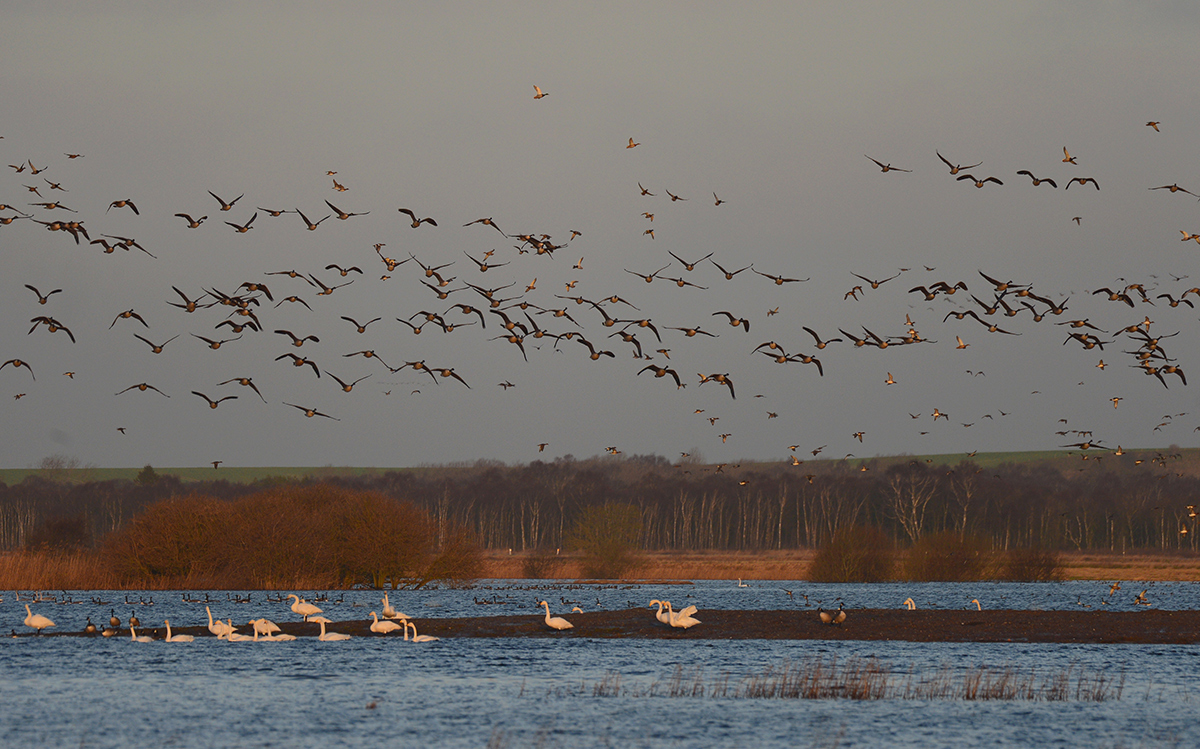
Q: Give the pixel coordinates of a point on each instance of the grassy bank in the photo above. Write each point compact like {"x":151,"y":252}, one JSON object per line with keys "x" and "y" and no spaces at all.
{"x":794,"y":564}
{"x":85,"y":571}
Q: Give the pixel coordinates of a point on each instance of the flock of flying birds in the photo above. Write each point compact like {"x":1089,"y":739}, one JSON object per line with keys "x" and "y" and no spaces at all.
{"x":270,"y":306}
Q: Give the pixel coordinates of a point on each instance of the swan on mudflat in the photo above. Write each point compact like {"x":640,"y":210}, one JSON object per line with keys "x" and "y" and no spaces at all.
{"x":661,"y":615}
{"x":682,"y":619}
{"x":218,"y":628}
{"x":978,"y":605}
{"x":417,"y":637}
{"x":303,"y":607}
{"x":385,"y":626}
{"x":389,"y":612}
{"x":232,"y":636}
{"x":133,"y":636}
{"x":36,"y":621}
{"x":332,"y":636}
{"x":264,"y":626}
{"x":556,"y":622}
{"x":176,"y":638}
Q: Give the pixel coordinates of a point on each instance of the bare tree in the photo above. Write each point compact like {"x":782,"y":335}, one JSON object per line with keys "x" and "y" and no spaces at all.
{"x":907,"y":495}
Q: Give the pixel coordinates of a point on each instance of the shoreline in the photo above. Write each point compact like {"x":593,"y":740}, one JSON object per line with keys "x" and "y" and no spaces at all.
{"x":794,"y":564}
{"x":1000,"y":625}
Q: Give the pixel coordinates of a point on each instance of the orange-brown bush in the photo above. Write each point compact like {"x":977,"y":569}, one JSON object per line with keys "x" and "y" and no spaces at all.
{"x":1032,"y":566}
{"x":949,"y":557}
{"x":858,"y":554}
{"x":313,"y":536}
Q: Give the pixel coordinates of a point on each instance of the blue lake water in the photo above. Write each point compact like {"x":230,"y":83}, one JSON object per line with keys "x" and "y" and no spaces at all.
{"x":97,"y":692}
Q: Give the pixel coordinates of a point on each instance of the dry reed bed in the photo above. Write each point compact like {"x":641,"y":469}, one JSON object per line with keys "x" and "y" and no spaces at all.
{"x":868,"y":679}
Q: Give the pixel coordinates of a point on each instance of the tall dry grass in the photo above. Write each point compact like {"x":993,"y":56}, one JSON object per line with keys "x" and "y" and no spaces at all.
{"x":869,"y":679}
{"x":43,"y":570}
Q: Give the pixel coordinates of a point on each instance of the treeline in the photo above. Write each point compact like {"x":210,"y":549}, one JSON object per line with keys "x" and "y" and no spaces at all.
{"x":1129,"y":502}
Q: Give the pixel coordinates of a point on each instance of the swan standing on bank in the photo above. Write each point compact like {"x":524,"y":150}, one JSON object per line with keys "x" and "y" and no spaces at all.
{"x":176,"y":638}
{"x":264,"y":626}
{"x":36,"y":621}
{"x":303,"y":608}
{"x":556,"y":622}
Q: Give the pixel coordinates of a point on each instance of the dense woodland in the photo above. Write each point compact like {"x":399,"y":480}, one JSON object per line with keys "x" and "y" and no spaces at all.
{"x":1129,"y":502}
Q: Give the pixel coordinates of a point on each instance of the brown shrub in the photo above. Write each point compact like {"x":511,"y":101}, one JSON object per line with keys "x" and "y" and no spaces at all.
{"x":1033,"y":565}
{"x":542,"y":564}
{"x":858,"y":554}
{"x":172,"y":538}
{"x":459,"y":562}
{"x":608,"y":536}
{"x":948,"y":557}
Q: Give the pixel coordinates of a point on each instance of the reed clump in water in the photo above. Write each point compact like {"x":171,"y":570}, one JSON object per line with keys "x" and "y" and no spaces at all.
{"x":869,"y":679}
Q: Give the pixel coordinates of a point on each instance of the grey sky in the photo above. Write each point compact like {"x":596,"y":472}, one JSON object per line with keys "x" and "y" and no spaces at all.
{"x":430,"y":107}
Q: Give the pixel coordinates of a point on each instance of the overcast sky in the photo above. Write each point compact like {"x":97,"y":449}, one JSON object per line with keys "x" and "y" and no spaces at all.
{"x":430,"y":106}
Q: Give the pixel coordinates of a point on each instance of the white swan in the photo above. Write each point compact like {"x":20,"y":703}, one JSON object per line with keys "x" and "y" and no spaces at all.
{"x":36,"y":621}
{"x":303,"y":607}
{"x":176,"y":638}
{"x":264,"y":626}
{"x":742,"y":584}
{"x":232,"y":634}
{"x":385,"y":626}
{"x":218,"y":628}
{"x":417,"y":637}
{"x":133,"y":636}
{"x":682,"y":619}
{"x":389,"y":612}
{"x":576,"y":610}
{"x":978,"y":605}
{"x":332,"y":636}
{"x":556,"y":622}
{"x":661,"y":615}
{"x":911,"y":604}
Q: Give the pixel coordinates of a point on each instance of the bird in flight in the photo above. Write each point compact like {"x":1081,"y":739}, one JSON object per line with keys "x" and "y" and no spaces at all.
{"x":954,"y":168}
{"x":226,"y":206}
{"x":887,"y":167}
{"x":214,"y":403}
{"x":538,"y":93}
{"x":416,"y":222}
